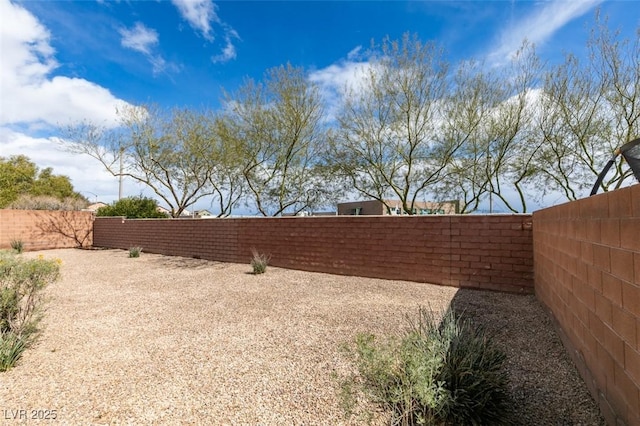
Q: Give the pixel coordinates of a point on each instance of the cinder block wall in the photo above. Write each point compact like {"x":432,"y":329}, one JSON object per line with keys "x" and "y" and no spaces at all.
{"x":587,"y":272}
{"x":491,"y":252}
{"x":44,"y":229}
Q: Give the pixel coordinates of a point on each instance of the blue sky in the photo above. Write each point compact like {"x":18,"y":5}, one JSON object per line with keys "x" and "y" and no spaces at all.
{"x":62,"y":61}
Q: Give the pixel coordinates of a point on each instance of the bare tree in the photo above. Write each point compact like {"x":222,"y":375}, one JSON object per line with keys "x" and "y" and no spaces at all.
{"x":514,"y":148}
{"x":278,"y":129}
{"x":390,"y":140}
{"x":174,"y":153}
{"x":491,"y":112}
{"x":573,"y":129}
{"x":590,"y":109}
{"x":467,"y":110}
{"x":617,"y":63}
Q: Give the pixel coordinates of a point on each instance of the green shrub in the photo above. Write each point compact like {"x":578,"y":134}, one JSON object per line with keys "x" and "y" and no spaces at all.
{"x":17,"y":245}
{"x":21,"y":302}
{"x":132,"y":208}
{"x":448,"y":373}
{"x":259,"y":262}
{"x":135,"y":251}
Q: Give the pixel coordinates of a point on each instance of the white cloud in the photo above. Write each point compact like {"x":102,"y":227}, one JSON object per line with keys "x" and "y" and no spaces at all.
{"x":57,"y":101}
{"x":340,"y":75}
{"x":355,"y":52}
{"x":31,"y":98}
{"x":199,"y":14}
{"x":229,"y":51}
{"x":335,"y":79}
{"x":86,"y":174}
{"x":144,"y":40}
{"x":28,"y":94}
{"x":139,"y":38}
{"x":538,"y":27}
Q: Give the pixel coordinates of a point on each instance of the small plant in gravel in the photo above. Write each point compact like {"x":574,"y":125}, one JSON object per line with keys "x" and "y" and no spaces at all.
{"x":21,"y":302}
{"x":447,"y":373}
{"x":11,"y":348}
{"x":259,"y":262}
{"x":135,"y":251}
{"x":17,"y":245}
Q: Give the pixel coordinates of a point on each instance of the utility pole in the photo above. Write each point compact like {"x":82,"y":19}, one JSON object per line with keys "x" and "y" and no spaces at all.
{"x":120,"y":175}
{"x":490,"y":186}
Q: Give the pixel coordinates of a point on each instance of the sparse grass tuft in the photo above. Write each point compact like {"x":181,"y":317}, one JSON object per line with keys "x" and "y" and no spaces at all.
{"x":17,"y":245}
{"x":135,"y":251}
{"x":259,"y":262}
{"x":11,"y":348}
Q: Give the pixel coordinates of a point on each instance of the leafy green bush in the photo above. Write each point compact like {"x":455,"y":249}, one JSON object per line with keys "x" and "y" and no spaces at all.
{"x":21,"y":180}
{"x":132,"y":208}
{"x":17,"y":245}
{"x":259,"y":262}
{"x":437,"y":374}
{"x":21,"y":302}
{"x":135,"y":251}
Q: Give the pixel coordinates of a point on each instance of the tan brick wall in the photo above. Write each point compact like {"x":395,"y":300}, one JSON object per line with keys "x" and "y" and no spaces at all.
{"x":43,"y":229}
{"x":587,"y":272}
{"x":491,"y":252}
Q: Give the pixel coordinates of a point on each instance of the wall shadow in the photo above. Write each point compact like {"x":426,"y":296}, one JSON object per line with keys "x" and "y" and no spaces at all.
{"x":542,"y":375}
{"x":63,"y":229}
{"x":179,"y":262}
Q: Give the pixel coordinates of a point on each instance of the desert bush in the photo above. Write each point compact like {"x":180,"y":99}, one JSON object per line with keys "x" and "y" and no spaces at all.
{"x":474,"y":376}
{"x":45,"y":202}
{"x":135,"y":251}
{"x":17,"y":245}
{"x":259,"y":262}
{"x":21,"y":302}
{"x":447,"y":373}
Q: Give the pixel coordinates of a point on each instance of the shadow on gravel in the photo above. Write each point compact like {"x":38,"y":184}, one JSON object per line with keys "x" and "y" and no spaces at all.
{"x":545,"y":385}
{"x":176,"y":262}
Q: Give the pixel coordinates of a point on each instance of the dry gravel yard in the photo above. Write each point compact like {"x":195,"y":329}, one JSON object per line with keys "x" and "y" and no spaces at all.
{"x":165,"y":340}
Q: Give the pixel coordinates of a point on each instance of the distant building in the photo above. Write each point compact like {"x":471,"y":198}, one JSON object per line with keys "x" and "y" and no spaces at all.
{"x":394,"y":207}
{"x":93,"y":207}
{"x":201,"y":214}
{"x":325,"y":213}
{"x":163,"y":210}
{"x":185,"y":213}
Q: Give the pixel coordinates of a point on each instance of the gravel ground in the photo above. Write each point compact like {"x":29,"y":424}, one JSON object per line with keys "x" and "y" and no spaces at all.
{"x":166,"y":340}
